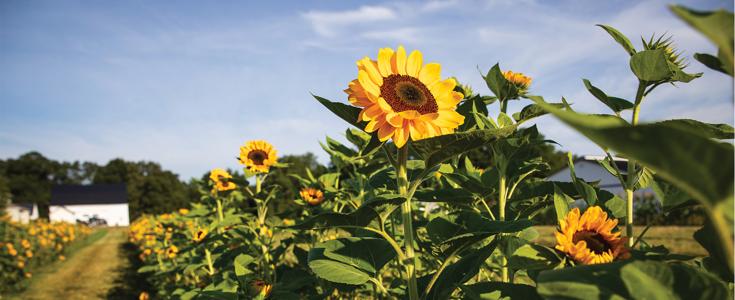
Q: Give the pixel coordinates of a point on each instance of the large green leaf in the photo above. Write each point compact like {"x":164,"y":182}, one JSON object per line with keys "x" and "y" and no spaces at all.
{"x":716,"y":26}
{"x":366,"y":254}
{"x":715,"y":131}
{"x":366,"y":213}
{"x":631,"y":280}
{"x":620,"y":38}
{"x":457,"y":273}
{"x":561,"y":204}
{"x":501,"y":87}
{"x":698,"y":165}
{"x":435,"y":150}
{"x":346,"y":112}
{"x":651,"y":65}
{"x":335,"y":271}
{"x":616,"y":104}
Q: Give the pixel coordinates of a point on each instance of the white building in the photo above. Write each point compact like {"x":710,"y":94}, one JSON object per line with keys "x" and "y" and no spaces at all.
{"x":22,"y":212}
{"x":81,"y":202}
{"x":588,"y":169}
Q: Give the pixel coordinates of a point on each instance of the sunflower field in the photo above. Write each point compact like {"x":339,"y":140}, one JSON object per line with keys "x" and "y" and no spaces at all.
{"x":404,"y":214}
{"x":26,"y":246}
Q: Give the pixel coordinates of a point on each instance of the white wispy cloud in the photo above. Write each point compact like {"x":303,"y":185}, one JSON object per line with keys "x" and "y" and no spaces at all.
{"x":329,"y":23}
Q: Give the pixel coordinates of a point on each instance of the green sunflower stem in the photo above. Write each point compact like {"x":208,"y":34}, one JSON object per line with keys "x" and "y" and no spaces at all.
{"x":410,"y":262}
{"x":220,"y":214}
{"x":210,"y":265}
{"x":502,"y":198}
{"x":630,"y":189}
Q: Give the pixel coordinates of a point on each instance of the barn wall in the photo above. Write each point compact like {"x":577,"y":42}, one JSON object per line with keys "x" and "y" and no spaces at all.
{"x":114,"y":214}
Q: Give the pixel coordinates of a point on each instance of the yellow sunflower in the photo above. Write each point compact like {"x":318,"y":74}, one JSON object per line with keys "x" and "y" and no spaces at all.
{"x":401,"y":97}
{"x":588,"y":239}
{"x":172,"y":251}
{"x":519,"y":81}
{"x":200,"y":234}
{"x":312,"y":196}
{"x":258,"y":156}
{"x":218,"y":176}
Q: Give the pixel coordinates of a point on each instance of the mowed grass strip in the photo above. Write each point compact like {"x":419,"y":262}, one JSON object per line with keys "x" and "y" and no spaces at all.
{"x":678,"y":239}
{"x":87,"y":274}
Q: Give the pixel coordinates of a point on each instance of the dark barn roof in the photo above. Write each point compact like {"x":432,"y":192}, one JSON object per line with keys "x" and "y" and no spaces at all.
{"x":89,"y":194}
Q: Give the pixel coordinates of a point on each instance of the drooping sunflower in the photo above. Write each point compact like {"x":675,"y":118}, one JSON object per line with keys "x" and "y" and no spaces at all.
{"x":219,"y":176}
{"x":588,"y":239}
{"x":312,"y":196}
{"x":258,"y":156}
{"x":402,"y":98}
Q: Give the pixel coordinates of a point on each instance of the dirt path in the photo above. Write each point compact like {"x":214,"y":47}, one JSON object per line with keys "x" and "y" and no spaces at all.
{"x":92,"y":273}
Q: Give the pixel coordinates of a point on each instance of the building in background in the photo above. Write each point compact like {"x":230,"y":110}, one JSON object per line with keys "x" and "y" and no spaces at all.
{"x":22,"y":212}
{"x":97,"y":204}
{"x":589,"y":169}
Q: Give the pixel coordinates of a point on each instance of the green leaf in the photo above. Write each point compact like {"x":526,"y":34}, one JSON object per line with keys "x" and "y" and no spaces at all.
{"x":366,"y":213}
{"x":499,"y":290}
{"x":715,"y":131}
{"x":366,"y":254}
{"x":241,"y":267}
{"x":670,"y":196}
{"x":630,"y":280}
{"x":345,"y":112}
{"x":335,"y":271}
{"x":716,"y":26}
{"x":457,"y":273}
{"x":501,"y":87}
{"x":620,"y":38}
{"x":504,"y":120}
{"x":651,"y":65}
{"x":616,"y":104}
{"x":460,"y":195}
{"x":712,"y":62}
{"x":561,"y":204}
{"x":437,"y":149}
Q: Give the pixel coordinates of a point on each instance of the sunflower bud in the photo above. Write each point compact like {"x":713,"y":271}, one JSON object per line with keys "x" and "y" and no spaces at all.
{"x":673,"y":56}
{"x":312,"y":196}
{"x":519,"y":81}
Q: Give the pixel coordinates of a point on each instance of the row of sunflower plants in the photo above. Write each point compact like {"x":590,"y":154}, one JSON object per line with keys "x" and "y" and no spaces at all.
{"x":404,"y":212}
{"x":26,"y":246}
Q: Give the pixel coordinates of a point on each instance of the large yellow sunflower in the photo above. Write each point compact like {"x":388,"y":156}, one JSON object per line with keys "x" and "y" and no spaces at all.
{"x":588,"y":239}
{"x":219,"y":177}
{"x":258,"y":156}
{"x":401,"y":97}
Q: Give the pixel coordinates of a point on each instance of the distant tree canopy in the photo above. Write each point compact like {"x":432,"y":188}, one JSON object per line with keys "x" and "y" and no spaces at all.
{"x":29,"y":179}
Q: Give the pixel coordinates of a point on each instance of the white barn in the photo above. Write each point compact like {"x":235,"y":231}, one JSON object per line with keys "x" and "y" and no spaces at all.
{"x":22,"y":212}
{"x":80,"y":202}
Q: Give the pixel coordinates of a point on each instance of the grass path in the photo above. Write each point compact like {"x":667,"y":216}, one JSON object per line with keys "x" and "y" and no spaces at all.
{"x":93,"y":272}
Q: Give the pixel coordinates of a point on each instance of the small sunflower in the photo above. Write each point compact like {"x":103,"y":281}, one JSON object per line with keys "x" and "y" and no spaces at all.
{"x":520,"y":82}
{"x":312,"y":196}
{"x":200,"y":234}
{"x":258,"y":156}
{"x":588,"y":239}
{"x":172,"y":251}
{"x":402,"y":98}
{"x":219,"y":177}
{"x":143,"y":296}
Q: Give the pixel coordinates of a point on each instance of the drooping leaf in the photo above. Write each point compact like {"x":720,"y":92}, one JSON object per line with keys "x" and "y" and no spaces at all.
{"x":616,"y":104}
{"x":620,"y":38}
{"x":364,"y":253}
{"x":335,"y":271}
{"x":711,"y":61}
{"x":716,"y":26}
{"x":345,"y":112}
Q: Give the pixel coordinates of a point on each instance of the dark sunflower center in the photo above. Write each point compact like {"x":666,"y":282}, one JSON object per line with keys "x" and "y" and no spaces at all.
{"x":257,"y":156}
{"x":313,"y":195}
{"x":403,"y":92}
{"x":594,"y":240}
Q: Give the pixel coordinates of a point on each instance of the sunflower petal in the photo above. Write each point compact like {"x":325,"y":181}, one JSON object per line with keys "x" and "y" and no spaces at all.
{"x":413,"y":64}
{"x":398,"y":62}
{"x":384,"y":61}
{"x":430,"y":74}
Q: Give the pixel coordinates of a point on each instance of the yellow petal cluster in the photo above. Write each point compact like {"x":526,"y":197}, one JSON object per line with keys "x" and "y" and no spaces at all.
{"x":588,"y":238}
{"x":312,"y":196}
{"x":522,"y":82}
{"x":219,"y":177}
{"x":258,"y":156}
{"x":404,"y":98}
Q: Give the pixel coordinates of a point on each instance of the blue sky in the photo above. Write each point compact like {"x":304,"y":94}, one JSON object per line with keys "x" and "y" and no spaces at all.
{"x":185,"y":84}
